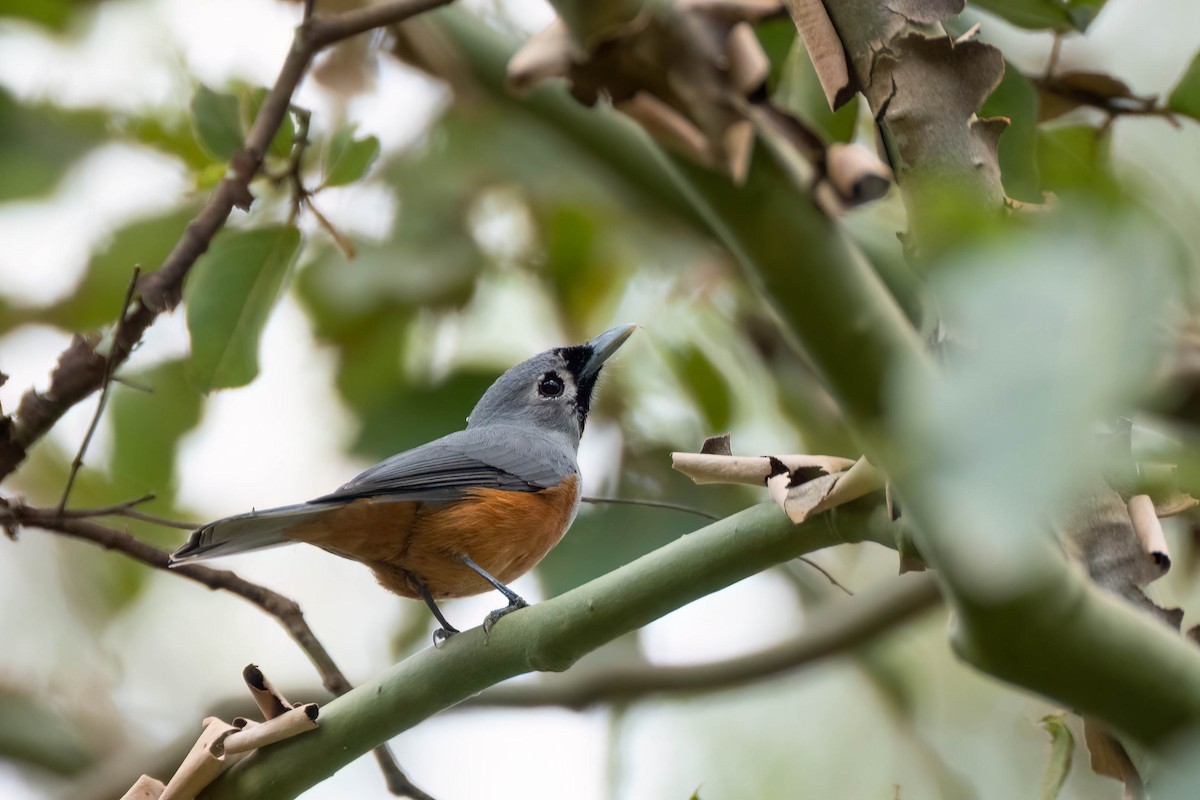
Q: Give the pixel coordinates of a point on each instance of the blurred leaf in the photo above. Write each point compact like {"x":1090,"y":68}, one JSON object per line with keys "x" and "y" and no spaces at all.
{"x":1062,"y":750}
{"x":1070,"y":157}
{"x":778,"y":38}
{"x":39,"y":143}
{"x":34,"y":734}
{"x":347,"y":159}
{"x":147,"y":427}
{"x":1016,"y":99}
{"x":799,"y":91}
{"x":706,"y":385}
{"x":285,"y":137}
{"x":582,"y":275}
{"x":232,"y":291}
{"x":52,"y":14}
{"x":218,"y":122}
{"x":1185,"y":97}
{"x":1057,"y":15}
{"x":97,"y":300}
{"x":1028,"y":395}
{"x":413,"y":415}
{"x":168,"y":134}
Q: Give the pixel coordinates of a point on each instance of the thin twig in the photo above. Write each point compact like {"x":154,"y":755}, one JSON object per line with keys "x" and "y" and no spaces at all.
{"x":106,"y":381}
{"x":344,"y":244}
{"x":627,"y":501}
{"x":1052,"y":61}
{"x":836,"y":629}
{"x":137,"y":386}
{"x":284,"y":609}
{"x":829,"y":577}
{"x":127,"y":510}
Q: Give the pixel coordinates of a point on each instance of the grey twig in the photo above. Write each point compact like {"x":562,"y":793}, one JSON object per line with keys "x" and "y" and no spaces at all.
{"x":628,"y":501}
{"x":105,"y":382}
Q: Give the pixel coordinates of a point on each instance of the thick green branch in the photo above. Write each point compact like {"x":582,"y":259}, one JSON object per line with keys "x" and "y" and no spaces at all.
{"x":1054,"y":633}
{"x":552,"y":635}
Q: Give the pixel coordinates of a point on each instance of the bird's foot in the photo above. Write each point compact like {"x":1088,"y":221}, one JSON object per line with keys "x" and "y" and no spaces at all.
{"x":442,"y":634}
{"x":514,"y":604}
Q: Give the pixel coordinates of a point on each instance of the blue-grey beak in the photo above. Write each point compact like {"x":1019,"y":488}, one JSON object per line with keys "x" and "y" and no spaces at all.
{"x":604,"y":346}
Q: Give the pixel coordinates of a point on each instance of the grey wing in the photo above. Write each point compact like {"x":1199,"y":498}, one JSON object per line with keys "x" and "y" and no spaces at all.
{"x":491,"y":457}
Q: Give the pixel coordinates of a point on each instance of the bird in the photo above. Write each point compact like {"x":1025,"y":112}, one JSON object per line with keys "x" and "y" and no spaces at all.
{"x":460,"y":515}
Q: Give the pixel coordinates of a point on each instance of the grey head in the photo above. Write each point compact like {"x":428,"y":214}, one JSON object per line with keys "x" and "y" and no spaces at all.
{"x":551,"y":392}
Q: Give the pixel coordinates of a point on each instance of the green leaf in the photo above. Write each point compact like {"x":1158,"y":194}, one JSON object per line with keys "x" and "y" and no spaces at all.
{"x":218,"y":122}
{"x":706,"y":386}
{"x":39,"y":143}
{"x":347,"y":159}
{"x":1028,"y":395}
{"x":1062,"y":749}
{"x":1057,"y":15}
{"x":1070,"y":157}
{"x":52,"y":14}
{"x":97,"y":299}
{"x":799,"y":91}
{"x":584,"y":273}
{"x":413,"y":415}
{"x":37,"y":733}
{"x":777,"y":38}
{"x":1016,"y":99}
{"x":1185,"y":97}
{"x":147,"y":427}
{"x":173,"y":135}
{"x":285,"y":137}
{"x":235,"y":285}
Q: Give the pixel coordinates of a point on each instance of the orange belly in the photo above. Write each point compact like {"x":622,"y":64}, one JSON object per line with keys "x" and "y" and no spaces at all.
{"x":506,"y":533}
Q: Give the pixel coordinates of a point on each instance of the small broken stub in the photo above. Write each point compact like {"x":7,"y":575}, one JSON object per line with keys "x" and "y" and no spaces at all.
{"x":802,"y":485}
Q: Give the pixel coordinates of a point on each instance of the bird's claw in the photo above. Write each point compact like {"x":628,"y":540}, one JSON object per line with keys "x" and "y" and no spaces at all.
{"x":442,"y":634}
{"x":491,"y":619}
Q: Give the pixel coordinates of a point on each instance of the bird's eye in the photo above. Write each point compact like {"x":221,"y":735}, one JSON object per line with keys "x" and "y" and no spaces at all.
{"x":550,"y":385}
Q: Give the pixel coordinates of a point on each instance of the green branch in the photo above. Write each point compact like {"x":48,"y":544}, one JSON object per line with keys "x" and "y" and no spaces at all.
{"x":550,"y":636}
{"x":1050,"y":631}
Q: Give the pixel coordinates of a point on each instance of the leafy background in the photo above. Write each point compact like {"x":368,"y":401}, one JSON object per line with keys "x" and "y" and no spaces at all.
{"x":483,"y":229}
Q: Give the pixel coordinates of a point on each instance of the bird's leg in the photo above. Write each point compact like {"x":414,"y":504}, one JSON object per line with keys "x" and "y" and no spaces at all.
{"x":515,"y":601}
{"x":447,"y":630}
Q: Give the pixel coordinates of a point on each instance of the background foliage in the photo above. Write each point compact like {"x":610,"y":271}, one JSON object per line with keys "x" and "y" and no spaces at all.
{"x":410,"y":269}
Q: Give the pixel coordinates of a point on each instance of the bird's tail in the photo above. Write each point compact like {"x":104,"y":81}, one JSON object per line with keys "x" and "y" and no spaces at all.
{"x":256,"y":530}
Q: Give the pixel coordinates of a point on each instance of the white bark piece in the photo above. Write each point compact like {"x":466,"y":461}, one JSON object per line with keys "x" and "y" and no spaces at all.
{"x":252,"y":735}
{"x":828,"y":491}
{"x":748,"y":64}
{"x":752,"y":470}
{"x":1150,"y":531}
{"x":145,"y":788}
{"x":857,"y":173}
{"x":546,"y":54}
{"x":200,"y":767}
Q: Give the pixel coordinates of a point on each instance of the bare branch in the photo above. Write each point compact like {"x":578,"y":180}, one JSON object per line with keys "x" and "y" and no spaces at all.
{"x":81,"y":370}
{"x":284,"y":609}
